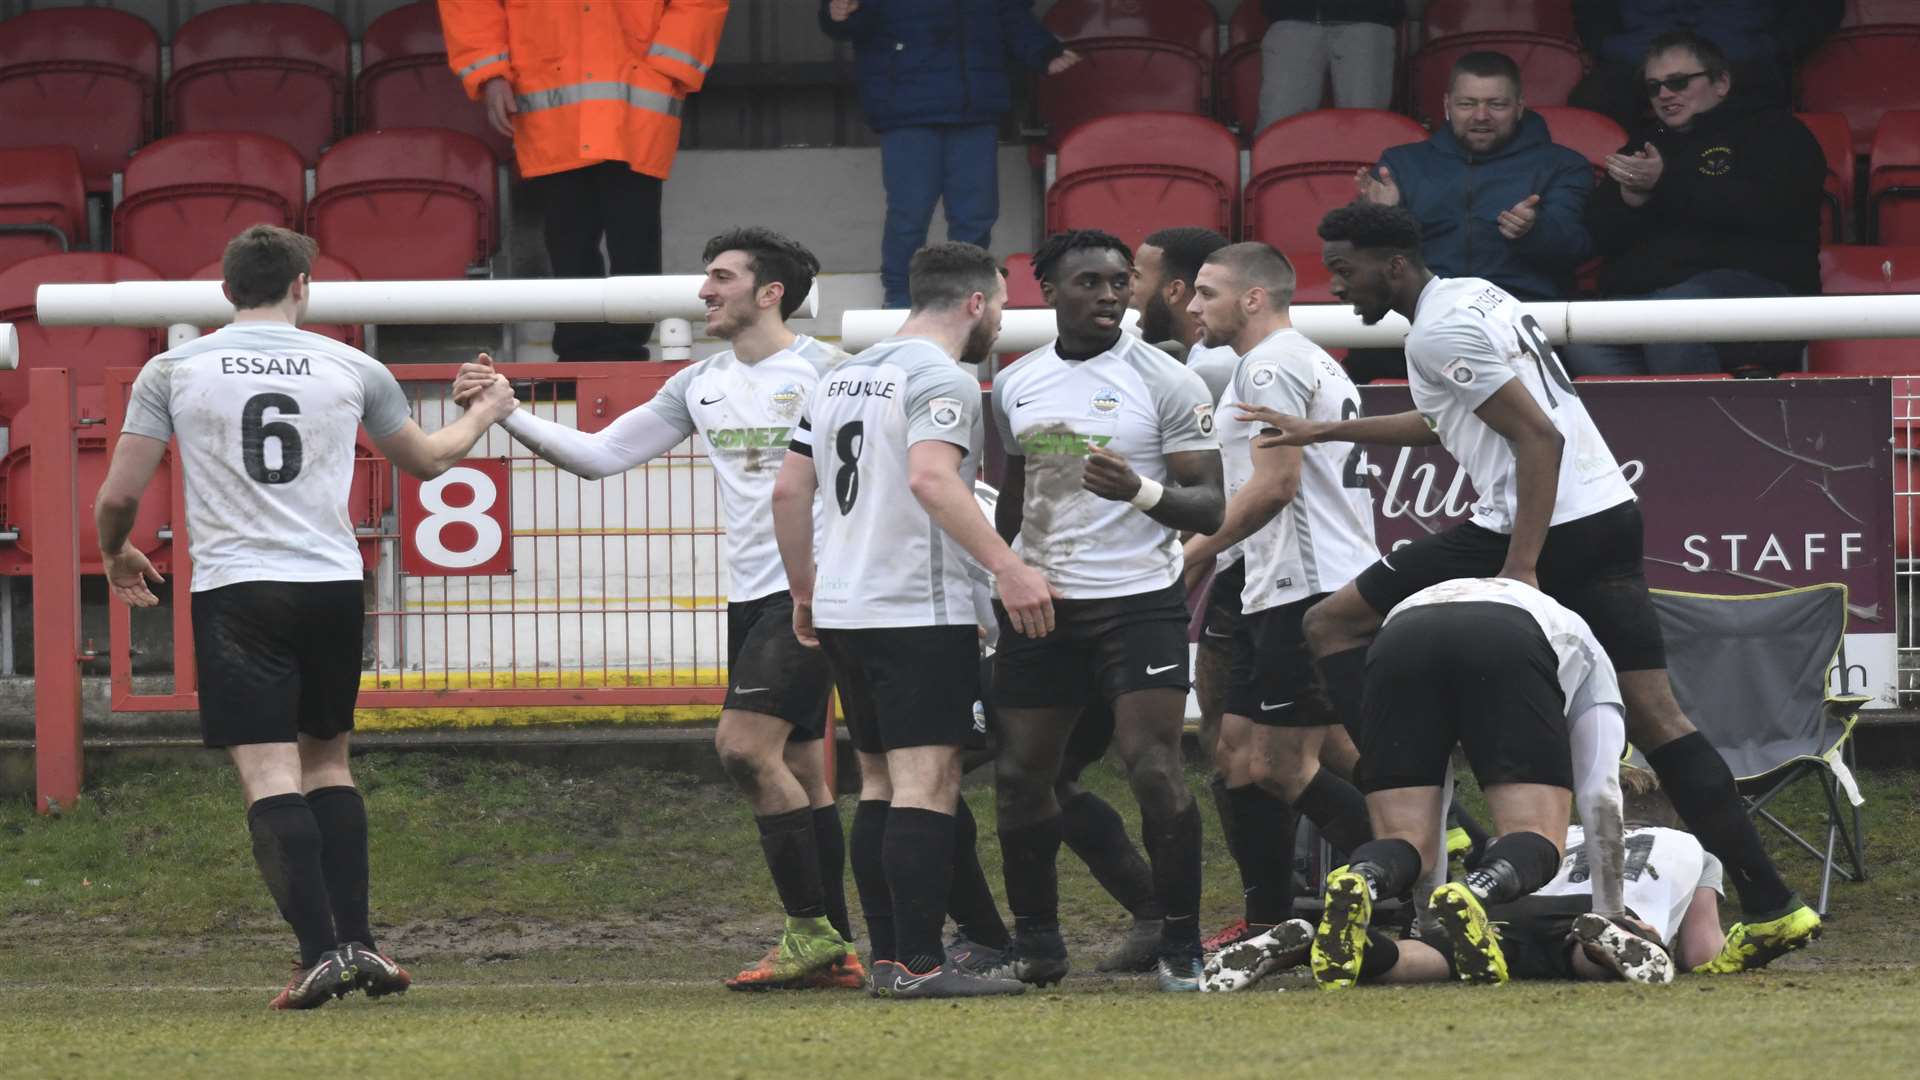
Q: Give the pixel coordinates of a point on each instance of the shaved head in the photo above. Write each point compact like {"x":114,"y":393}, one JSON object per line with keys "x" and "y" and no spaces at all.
{"x":1254,"y":265}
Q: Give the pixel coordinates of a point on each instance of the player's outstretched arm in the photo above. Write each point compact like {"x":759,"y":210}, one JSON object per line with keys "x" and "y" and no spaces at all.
{"x":1699,"y":938}
{"x":635,"y":438}
{"x":135,"y":460}
{"x":793,"y":492}
{"x":427,"y":456}
{"x":1598,"y":739}
{"x":1274,"y":484}
{"x":1537,"y":446}
{"x":933,"y":475}
{"x":1194,"y":501}
{"x":1395,"y":429}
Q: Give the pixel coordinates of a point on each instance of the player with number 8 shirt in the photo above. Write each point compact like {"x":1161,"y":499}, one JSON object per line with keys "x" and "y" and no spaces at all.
{"x":1554,"y":512}
{"x":265,"y":415}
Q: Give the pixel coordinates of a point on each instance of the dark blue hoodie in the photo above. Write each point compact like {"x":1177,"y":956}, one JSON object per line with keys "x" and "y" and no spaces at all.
{"x":925,"y":62}
{"x":1459,"y":197}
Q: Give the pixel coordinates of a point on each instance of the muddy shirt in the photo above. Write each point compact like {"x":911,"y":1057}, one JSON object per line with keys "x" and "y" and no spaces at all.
{"x":746,"y":414}
{"x":1134,"y":400}
{"x":1663,"y":869}
{"x":266,"y":415}
{"x":882,"y":561}
{"x":1324,"y":537}
{"x":1469,"y":339}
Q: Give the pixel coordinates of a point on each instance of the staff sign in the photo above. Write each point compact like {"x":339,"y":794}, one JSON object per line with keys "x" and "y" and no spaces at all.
{"x":460,"y":523}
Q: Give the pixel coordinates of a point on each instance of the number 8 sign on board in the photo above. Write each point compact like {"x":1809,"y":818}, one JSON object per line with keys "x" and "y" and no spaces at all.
{"x":460,"y":523}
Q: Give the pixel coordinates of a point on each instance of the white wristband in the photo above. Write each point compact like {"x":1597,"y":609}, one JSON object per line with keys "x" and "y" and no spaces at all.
{"x":1148,"y":496}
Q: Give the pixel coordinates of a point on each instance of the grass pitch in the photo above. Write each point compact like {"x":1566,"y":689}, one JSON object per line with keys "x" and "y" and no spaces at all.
{"x":578,"y":926}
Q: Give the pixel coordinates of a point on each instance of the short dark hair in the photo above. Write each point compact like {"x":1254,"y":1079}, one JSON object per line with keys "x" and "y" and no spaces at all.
{"x":260,"y":264}
{"x":772,"y":257}
{"x":1057,"y":246}
{"x":1185,"y":249}
{"x":943,"y":275}
{"x":1485,"y":64}
{"x":1258,"y":265}
{"x":1371,"y":227}
{"x":1712,"y":58}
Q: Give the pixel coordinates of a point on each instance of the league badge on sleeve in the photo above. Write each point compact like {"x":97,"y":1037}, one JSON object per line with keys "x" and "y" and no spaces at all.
{"x":1204,"y":415}
{"x":945,"y":411}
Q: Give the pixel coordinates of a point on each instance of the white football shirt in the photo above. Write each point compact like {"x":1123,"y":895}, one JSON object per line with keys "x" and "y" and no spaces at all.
{"x":746,"y":413}
{"x":1136,"y":401}
{"x":266,"y":415}
{"x":1664,"y":867}
{"x":882,"y":561}
{"x":1324,"y":537}
{"x":1586,"y":672}
{"x":1469,"y":339}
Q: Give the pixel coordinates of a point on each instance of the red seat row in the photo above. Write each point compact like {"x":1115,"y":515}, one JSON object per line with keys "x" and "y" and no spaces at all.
{"x":89,"y":78}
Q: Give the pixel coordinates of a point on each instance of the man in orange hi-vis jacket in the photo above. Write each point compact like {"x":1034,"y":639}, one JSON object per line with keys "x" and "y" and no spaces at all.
{"x":591,"y":94}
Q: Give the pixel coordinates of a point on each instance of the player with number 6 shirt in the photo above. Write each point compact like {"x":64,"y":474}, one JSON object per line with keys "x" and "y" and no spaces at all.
{"x":1553,"y":512}
{"x":265,"y":415}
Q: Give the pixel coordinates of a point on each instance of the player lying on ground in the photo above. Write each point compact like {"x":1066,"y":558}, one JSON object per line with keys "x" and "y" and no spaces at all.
{"x":265,"y":414}
{"x":1496,"y":667}
{"x":743,"y":402}
{"x":1554,"y":512}
{"x":1111,"y":454}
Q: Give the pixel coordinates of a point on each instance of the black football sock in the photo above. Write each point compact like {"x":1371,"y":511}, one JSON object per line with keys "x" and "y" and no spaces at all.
{"x":1264,"y":823}
{"x":1337,"y":809}
{"x":1027,"y":860}
{"x":787,"y":841}
{"x":286,"y":847}
{"x":1701,"y":788}
{"x":970,"y":899}
{"x":1098,"y":835}
{"x":1514,"y":865}
{"x":1217,"y":787}
{"x":870,"y":876}
{"x":1344,"y":675}
{"x":918,"y":853}
{"x":1173,"y":848}
{"x":341,"y":814}
{"x":831,"y":845}
{"x":1382,"y":953}
{"x":1390,"y":866}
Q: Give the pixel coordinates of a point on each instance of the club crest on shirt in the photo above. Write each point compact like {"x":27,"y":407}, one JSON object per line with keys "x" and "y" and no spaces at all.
{"x":1461,"y":372}
{"x":1106,"y":400}
{"x":1264,"y":375}
{"x":1716,"y":161}
{"x":1203,"y":413}
{"x":945,"y":411}
{"x":786,"y":400}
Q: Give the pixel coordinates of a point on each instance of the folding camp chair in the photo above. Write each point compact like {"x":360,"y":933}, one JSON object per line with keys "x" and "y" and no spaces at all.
{"x":1756,"y":675}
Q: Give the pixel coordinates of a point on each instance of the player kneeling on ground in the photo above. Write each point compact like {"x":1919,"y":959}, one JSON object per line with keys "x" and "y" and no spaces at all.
{"x":266,"y":413}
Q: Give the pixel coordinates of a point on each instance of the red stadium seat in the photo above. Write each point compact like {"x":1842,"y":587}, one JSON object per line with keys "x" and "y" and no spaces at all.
{"x":1135,"y":57}
{"x":272,"y":69}
{"x":1893,"y":179}
{"x":87,"y":350}
{"x":43,"y":205}
{"x":186,"y":196}
{"x":1862,"y":269}
{"x":1451,"y":18}
{"x":407,"y":204}
{"x":1550,"y":67}
{"x":325,"y":268}
{"x":1023,"y":291}
{"x":1303,"y":166}
{"x":1836,"y":144}
{"x":405,"y":82}
{"x":1880,"y":13}
{"x":1594,"y":135}
{"x":1236,"y":91}
{"x":1861,"y":73}
{"x":1138,"y":173}
{"x":79,"y":77}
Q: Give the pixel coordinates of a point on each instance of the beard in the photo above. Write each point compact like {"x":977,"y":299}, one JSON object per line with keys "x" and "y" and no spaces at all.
{"x":979,"y":345}
{"x":1156,"y":319}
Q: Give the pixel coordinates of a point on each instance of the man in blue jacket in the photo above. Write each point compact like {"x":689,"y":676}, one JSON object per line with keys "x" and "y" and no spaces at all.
{"x":933,"y":83}
{"x":1496,"y":198}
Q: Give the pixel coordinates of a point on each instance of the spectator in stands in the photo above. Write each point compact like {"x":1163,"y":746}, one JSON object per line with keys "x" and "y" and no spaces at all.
{"x":591,"y":96}
{"x":1763,"y":39}
{"x":1496,"y":197}
{"x":1719,"y":198}
{"x":933,"y":83}
{"x":1353,"y":41}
